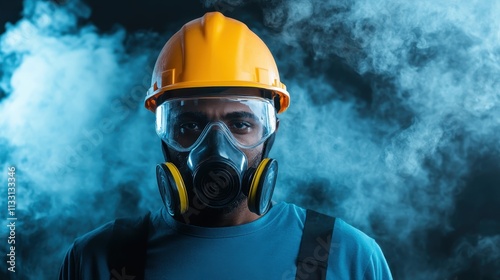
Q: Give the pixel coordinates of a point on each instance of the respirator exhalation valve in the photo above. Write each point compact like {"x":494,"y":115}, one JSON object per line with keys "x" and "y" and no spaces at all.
{"x":217,"y":183}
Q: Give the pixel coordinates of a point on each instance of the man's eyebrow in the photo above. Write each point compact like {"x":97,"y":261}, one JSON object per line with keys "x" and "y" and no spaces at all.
{"x":193,"y":115}
{"x":241,"y":114}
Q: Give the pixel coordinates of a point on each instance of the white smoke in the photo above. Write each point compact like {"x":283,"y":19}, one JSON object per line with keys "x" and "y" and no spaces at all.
{"x":74,"y":127}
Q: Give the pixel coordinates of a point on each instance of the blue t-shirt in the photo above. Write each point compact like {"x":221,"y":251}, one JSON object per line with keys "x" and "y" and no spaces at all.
{"x":263,"y":249}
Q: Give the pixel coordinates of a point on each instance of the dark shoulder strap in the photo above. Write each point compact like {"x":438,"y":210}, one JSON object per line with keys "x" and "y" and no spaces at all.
{"x":315,"y":246}
{"x":127,"y":248}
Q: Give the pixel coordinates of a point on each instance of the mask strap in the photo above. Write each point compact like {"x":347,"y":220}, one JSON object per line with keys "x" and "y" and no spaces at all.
{"x":268,"y":145}
{"x":164,"y":150}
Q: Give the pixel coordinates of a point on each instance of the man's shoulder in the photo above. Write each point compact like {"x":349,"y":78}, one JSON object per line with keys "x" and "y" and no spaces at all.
{"x":355,"y":249}
{"x":94,"y":240}
{"x":89,"y":255}
{"x":352,"y":237}
{"x":86,"y":258}
{"x":98,"y":238}
{"x":344,"y":234}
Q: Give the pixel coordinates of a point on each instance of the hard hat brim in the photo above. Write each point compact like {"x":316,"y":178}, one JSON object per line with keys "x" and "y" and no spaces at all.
{"x":151,"y":101}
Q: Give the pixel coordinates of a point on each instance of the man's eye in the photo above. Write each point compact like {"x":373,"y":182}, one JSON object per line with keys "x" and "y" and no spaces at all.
{"x":240,"y":127}
{"x":190,"y":126}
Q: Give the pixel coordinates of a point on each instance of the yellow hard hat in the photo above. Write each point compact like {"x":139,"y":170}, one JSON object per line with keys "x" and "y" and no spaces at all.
{"x":215,"y":51}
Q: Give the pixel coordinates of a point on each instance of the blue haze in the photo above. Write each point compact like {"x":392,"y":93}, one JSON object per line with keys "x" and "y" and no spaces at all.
{"x":395,"y":111}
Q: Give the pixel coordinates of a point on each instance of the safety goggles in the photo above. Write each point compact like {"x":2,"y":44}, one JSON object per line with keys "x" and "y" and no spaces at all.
{"x":247,"y":121}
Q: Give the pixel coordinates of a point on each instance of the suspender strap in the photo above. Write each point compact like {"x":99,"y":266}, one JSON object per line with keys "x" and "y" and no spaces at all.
{"x":312,"y":261}
{"x":127,"y":248}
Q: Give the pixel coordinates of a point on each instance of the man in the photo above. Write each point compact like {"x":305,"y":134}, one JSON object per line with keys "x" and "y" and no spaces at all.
{"x":216,"y":92}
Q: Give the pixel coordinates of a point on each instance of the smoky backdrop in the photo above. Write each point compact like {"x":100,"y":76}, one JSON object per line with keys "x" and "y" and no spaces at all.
{"x":394,"y":124}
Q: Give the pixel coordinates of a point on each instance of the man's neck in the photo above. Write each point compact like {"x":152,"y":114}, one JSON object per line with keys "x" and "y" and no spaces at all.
{"x":216,"y":218}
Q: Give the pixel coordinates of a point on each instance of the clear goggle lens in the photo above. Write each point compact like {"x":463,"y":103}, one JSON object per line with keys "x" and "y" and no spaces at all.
{"x":183,"y":123}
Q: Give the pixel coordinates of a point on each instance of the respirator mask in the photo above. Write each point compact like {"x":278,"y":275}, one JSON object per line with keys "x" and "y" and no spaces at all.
{"x":206,"y":139}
